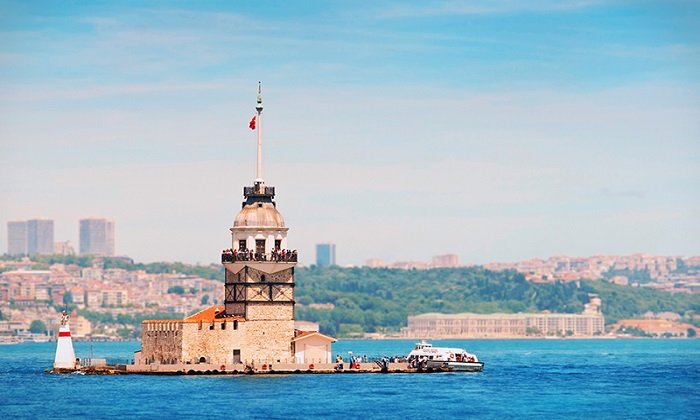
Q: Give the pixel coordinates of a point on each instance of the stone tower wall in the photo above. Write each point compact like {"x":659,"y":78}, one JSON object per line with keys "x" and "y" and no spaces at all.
{"x":267,"y":311}
{"x":269,"y":342}
{"x":161,"y":342}
{"x":215,"y":345}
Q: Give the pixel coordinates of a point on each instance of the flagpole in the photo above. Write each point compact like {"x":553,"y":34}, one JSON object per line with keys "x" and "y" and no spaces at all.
{"x":259,"y":108}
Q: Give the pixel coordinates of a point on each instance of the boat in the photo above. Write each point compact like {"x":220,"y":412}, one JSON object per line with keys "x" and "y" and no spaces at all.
{"x":8,"y":340}
{"x":425,"y":356}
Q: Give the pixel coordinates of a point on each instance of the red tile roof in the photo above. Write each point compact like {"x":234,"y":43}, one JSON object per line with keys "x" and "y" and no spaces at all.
{"x":206,"y":315}
{"x":210,"y":314}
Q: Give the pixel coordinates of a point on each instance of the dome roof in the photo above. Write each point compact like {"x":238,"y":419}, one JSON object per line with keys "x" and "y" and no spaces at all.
{"x":259,"y":215}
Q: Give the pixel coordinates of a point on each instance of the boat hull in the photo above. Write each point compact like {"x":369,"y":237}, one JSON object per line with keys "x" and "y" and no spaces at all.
{"x":456,"y":366}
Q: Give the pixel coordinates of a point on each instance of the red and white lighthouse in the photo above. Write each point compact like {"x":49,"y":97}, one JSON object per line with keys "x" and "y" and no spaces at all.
{"x":65,"y":355}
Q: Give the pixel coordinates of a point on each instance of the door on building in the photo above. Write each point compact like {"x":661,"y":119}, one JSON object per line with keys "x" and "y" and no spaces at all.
{"x":260,"y":246}
{"x":236,"y":356}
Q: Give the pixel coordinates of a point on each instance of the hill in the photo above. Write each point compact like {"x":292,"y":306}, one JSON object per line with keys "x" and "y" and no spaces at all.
{"x":375,"y":299}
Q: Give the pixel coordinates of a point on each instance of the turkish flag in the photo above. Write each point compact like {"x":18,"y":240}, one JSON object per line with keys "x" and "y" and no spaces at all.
{"x":252,"y":123}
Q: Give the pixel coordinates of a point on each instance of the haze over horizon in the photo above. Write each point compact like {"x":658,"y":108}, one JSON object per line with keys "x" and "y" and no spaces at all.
{"x":494,"y":130}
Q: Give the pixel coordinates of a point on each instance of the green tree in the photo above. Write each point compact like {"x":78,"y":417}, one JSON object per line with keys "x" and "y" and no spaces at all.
{"x":125,"y":332}
{"x":37,"y":327}
{"x":205,"y":299}
{"x":178,"y":290}
{"x":67,"y":298}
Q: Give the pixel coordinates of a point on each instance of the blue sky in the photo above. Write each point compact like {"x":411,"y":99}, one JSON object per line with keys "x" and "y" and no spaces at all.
{"x":496,"y":130}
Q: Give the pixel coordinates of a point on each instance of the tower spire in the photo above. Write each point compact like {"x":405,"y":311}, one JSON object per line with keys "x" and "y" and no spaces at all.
{"x":259,"y":108}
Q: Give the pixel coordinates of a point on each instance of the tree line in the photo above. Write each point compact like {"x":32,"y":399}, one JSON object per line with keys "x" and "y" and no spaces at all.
{"x":381,"y":299}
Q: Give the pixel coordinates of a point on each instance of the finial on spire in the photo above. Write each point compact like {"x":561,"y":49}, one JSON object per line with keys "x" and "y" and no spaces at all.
{"x":259,"y":108}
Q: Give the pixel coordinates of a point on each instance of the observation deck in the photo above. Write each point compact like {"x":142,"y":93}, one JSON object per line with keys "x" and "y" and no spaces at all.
{"x":229,"y":256}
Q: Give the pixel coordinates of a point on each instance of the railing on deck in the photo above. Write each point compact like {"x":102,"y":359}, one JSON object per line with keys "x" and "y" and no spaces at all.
{"x":257,"y":191}
{"x":277,"y":256}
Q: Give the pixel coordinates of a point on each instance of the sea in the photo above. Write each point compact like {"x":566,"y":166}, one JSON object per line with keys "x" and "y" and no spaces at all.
{"x":539,"y":379}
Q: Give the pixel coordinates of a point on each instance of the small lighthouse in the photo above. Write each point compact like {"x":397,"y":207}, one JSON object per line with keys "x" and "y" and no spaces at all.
{"x":65,"y":355}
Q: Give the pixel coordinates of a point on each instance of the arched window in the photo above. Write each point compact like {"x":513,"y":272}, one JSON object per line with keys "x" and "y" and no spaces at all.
{"x":202,"y":359}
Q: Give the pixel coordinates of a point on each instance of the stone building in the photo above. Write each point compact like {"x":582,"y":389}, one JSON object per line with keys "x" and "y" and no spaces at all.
{"x":467,"y":325}
{"x":256,"y":323}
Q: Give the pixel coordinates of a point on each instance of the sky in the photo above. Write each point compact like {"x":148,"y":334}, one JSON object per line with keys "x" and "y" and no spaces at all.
{"x":494,"y":130}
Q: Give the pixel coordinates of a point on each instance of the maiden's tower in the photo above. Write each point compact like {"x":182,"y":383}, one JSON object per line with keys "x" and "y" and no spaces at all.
{"x":255,"y":326}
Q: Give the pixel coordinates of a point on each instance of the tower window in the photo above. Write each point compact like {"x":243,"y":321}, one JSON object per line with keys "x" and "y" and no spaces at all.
{"x":241,"y":245}
{"x":235,"y":325}
{"x":223,"y":325}
{"x":262,"y":277}
{"x":260,"y":246}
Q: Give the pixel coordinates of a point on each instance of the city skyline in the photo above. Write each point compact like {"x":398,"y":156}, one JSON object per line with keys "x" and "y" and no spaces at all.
{"x":491,"y":130}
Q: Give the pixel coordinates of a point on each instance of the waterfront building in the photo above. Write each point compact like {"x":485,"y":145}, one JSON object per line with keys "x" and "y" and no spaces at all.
{"x":97,"y":237}
{"x":655,"y":327}
{"x":325,"y":255}
{"x":255,"y":325}
{"x":500,"y":325}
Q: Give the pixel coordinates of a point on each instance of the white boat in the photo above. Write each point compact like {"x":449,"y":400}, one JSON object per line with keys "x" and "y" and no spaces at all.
{"x":425,"y":356}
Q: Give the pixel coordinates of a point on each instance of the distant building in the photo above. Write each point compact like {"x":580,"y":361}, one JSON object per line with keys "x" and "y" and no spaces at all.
{"x":97,"y":237}
{"x":375,"y":263}
{"x":80,"y":326}
{"x":63,"y":248}
{"x":655,"y":327}
{"x":17,"y":238}
{"x":468,"y":325}
{"x":39,"y":236}
{"x":449,"y":260}
{"x":410,"y":265}
{"x":30,"y":237}
{"x":325,"y":255}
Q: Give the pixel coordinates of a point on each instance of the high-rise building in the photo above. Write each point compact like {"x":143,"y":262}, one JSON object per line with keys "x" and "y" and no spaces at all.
{"x":30,"y":237}
{"x":39,"y":236}
{"x":325,"y":255}
{"x":96,"y":237}
{"x":17,"y":238}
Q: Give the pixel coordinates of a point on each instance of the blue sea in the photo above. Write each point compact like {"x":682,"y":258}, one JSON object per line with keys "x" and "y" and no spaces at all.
{"x":638,"y":379}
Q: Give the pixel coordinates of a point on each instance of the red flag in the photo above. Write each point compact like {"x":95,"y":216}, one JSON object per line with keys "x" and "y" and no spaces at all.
{"x":252,"y":123}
